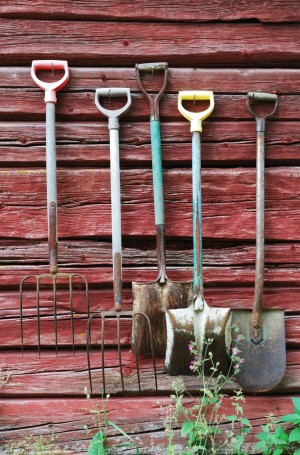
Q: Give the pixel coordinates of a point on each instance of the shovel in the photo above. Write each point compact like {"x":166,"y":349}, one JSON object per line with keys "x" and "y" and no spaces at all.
{"x":198,"y":322}
{"x":154,"y":298}
{"x":263,"y":344}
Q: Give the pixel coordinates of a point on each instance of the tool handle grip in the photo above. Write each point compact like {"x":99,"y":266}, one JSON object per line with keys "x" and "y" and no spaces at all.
{"x":152,"y":99}
{"x":113,"y":114}
{"x":50,"y":88}
{"x":261,"y":97}
{"x":151,"y":67}
{"x":196,"y":118}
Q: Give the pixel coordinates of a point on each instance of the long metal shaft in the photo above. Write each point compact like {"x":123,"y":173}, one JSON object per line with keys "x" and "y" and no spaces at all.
{"x":256,"y":328}
{"x":197,"y":221}
{"x":158,"y":190}
{"x":51,"y":186}
{"x":113,"y":126}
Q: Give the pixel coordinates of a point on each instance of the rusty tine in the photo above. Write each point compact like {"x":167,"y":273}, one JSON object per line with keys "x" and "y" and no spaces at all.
{"x":117,"y":313}
{"x":53,"y":276}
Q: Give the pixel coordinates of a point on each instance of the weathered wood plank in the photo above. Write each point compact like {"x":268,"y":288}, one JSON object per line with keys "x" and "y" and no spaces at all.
{"x":21,"y":417}
{"x":125,"y":43}
{"x":280,"y":297}
{"x":143,"y":253}
{"x":11,"y":331}
{"x":86,"y":144}
{"x":80,"y":106}
{"x":84,"y":196}
{"x":278,"y":11}
{"x":31,"y":376}
{"x":220,"y":80}
{"x":214,"y":276}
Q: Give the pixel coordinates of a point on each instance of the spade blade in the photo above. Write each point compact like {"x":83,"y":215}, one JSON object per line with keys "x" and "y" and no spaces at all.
{"x":264,"y":363}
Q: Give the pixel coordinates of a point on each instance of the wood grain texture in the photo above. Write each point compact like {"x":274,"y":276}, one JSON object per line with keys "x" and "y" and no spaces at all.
{"x":102,"y":45}
{"x":278,"y":11}
{"x":67,"y":417}
{"x":220,"y":80}
{"x":41,"y":375}
{"x":143,"y":253}
{"x":11,"y":331}
{"x":84,"y":196}
{"x":275,"y":296}
{"x":119,"y":43}
{"x":85,"y":144}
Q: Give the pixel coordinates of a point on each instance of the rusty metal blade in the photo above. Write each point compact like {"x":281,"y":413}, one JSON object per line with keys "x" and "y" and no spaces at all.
{"x":264,"y":363}
{"x":183,"y":325}
{"x":154,"y":299}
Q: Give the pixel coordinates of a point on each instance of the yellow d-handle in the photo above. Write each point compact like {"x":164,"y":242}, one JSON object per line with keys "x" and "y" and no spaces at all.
{"x":196,"y":117}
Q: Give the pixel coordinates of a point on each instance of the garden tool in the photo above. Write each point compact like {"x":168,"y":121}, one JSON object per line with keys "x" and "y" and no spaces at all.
{"x":263,"y":343}
{"x":198,"y":322}
{"x":155,"y":297}
{"x":64,"y":279}
{"x":116,"y":314}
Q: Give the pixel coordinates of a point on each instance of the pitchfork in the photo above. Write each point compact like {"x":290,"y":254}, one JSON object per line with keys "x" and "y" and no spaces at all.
{"x":117,"y":313}
{"x":50,"y":89}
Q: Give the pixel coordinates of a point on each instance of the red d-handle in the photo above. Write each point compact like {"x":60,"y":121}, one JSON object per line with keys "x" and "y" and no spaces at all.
{"x":50,"y":88}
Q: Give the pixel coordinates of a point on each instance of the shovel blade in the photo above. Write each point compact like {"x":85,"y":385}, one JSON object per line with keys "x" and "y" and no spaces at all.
{"x":154,"y":299}
{"x":183,"y":324}
{"x":265,"y":363}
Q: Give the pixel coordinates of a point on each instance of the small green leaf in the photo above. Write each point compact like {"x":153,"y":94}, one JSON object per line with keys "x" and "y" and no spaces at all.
{"x":262,"y":436}
{"x":232,"y":418}
{"x":120,"y":430}
{"x":260,"y":445}
{"x":296,"y":402}
{"x":297,"y":452}
{"x":278,"y":452}
{"x":295,"y":435}
{"x":187,"y":427}
{"x":96,"y":446}
{"x":289,"y":418}
{"x":246,"y":422}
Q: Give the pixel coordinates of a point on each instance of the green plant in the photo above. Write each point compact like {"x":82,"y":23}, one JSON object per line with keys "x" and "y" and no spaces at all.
{"x":202,"y":421}
{"x":35,"y":445}
{"x":98,"y":444}
{"x":275,"y":439}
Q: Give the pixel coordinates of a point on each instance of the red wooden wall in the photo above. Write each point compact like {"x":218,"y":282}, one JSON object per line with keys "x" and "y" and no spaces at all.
{"x":228,"y":47}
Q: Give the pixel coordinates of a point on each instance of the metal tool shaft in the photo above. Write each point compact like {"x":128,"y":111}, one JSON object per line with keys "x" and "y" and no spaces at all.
{"x":51,"y":186}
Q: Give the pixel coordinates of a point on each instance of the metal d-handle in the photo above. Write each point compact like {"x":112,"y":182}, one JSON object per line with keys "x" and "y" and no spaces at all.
{"x":256,"y":319}
{"x":114,"y":126}
{"x":157,"y":173}
{"x":153,"y":100}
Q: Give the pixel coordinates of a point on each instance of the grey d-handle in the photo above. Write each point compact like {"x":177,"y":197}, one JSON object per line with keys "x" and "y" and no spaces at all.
{"x":113,"y":126}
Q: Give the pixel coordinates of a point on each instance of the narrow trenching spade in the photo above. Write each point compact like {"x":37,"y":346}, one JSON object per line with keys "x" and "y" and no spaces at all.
{"x":263,"y":345}
{"x":198,"y":322}
{"x":66,"y":279}
{"x":154,"y":298}
{"x":117,"y":313}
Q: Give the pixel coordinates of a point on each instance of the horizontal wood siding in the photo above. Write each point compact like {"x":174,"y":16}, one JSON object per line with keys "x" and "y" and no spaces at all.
{"x":228,"y":47}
